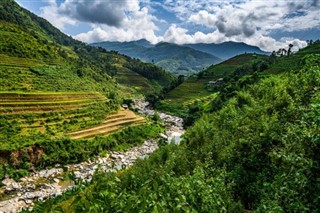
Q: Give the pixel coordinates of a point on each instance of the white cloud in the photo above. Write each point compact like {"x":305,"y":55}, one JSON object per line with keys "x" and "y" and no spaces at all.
{"x":248,"y":21}
{"x":180,"y":35}
{"x":51,"y":13}
{"x":288,"y":15}
{"x":123,"y":20}
{"x":138,"y":25}
{"x":203,"y":18}
{"x":177,"y":35}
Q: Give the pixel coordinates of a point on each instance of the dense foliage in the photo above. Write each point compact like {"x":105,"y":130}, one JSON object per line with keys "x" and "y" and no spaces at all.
{"x":257,"y":152}
{"x":48,"y":152}
{"x":151,"y":72}
{"x":267,"y":137}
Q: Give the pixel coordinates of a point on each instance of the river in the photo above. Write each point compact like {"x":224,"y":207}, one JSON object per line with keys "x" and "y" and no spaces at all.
{"x":49,"y":183}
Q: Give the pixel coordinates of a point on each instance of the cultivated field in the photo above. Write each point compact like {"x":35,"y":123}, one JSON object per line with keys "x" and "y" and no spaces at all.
{"x":113,"y":123}
{"x":35,"y":116}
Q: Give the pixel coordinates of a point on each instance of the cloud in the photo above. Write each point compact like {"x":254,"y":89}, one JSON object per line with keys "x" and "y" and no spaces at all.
{"x":111,"y":13}
{"x":180,"y":35}
{"x":112,"y":20}
{"x":51,"y":13}
{"x":108,"y":12}
{"x":139,"y":25}
{"x":266,"y":15}
{"x":247,"y":21}
{"x":203,"y":18}
{"x":315,"y":3}
{"x":205,"y":21}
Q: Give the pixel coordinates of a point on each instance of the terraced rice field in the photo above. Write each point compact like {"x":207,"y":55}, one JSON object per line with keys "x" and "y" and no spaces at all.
{"x":24,"y":103}
{"x":73,"y":114}
{"x":113,"y":123}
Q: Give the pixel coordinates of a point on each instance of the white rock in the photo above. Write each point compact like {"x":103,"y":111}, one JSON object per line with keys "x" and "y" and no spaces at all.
{"x":28,"y":201}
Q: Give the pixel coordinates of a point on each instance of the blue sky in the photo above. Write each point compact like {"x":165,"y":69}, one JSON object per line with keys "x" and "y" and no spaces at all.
{"x":270,"y":25}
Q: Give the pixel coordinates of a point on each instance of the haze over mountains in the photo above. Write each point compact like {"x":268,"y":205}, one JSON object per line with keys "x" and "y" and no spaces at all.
{"x":227,"y":50}
{"x":180,"y":59}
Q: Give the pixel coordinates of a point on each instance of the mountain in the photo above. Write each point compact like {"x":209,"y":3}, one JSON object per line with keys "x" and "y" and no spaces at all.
{"x":226,"y":50}
{"x":132,"y":48}
{"x":179,"y":60}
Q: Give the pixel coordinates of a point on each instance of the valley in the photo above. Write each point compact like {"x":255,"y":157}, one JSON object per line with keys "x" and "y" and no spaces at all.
{"x":44,"y":184}
{"x":129,"y":106}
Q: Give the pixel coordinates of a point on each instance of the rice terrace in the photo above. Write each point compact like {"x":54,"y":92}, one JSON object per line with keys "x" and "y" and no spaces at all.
{"x":159,"y":106}
{"x":62,"y":114}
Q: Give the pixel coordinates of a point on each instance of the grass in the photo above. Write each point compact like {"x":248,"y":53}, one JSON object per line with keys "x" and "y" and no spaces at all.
{"x":188,"y":90}
{"x":37,"y":115}
{"x":294,"y":60}
{"x":8,"y":61}
{"x":133,"y":80}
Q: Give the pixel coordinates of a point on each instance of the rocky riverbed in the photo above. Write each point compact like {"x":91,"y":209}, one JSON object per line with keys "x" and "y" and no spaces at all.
{"x":174,"y":124}
{"x":48,"y":183}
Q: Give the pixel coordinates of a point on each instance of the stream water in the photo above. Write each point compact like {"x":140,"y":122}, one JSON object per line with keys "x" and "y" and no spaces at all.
{"x":48,"y":183}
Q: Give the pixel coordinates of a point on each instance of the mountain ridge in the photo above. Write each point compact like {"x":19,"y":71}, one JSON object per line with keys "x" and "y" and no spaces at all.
{"x":177,"y":59}
{"x":226,"y":50}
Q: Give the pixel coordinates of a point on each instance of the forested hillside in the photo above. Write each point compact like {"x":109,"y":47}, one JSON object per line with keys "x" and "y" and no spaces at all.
{"x":252,"y":124}
{"x":25,"y":35}
{"x":256,"y":149}
{"x":194,"y":93}
{"x":53,"y":85}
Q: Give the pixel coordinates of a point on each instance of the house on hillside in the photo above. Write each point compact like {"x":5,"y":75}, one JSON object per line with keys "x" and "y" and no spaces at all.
{"x":214,"y":82}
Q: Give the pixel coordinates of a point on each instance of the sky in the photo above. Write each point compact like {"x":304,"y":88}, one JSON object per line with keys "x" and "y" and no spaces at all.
{"x":268,"y":24}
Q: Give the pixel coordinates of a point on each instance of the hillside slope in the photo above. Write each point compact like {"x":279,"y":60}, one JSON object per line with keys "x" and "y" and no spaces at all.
{"x":24,"y":35}
{"x":52,"y":85}
{"x":204,"y":83}
{"x":254,"y":150}
{"x":212,"y":87}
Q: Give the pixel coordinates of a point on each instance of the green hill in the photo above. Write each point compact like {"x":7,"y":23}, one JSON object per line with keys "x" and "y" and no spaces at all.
{"x":53,"y":85}
{"x":253,"y":149}
{"x":24,"y":35}
{"x":193,"y":95}
{"x":203,"y":84}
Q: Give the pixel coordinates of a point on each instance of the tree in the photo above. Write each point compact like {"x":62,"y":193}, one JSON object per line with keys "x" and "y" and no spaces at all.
{"x":181,"y":79}
{"x":281,"y":51}
{"x":289,"y":50}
